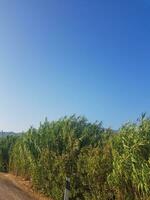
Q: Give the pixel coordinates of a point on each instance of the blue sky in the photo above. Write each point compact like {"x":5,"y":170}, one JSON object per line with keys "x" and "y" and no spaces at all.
{"x":59,"y":57}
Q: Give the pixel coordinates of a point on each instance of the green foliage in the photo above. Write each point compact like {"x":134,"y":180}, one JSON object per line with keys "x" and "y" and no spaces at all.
{"x":102,"y":165}
{"x":6,"y":144}
{"x":130,"y":177}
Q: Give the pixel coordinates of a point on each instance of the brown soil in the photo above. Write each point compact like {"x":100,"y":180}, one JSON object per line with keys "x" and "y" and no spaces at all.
{"x":15,"y":188}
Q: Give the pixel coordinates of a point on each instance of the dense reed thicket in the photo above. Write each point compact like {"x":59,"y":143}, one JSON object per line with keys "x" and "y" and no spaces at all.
{"x":102,"y":165}
{"x":6,"y":145}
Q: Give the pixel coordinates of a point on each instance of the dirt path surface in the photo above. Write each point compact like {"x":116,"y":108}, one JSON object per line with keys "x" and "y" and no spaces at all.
{"x":12,"y":189}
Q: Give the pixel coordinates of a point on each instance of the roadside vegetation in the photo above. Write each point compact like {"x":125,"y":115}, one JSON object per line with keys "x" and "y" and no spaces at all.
{"x":102,"y":164}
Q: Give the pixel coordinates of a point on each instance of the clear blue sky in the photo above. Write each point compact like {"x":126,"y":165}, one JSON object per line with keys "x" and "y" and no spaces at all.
{"x":59,"y":57}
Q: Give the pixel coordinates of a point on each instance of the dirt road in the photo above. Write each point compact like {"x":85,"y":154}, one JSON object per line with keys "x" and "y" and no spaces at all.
{"x":9,"y":190}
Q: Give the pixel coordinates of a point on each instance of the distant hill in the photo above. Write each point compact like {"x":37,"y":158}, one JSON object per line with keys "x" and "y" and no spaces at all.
{"x":4,"y":134}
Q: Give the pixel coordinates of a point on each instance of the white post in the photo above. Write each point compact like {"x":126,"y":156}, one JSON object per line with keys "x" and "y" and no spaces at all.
{"x":67,"y":189}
